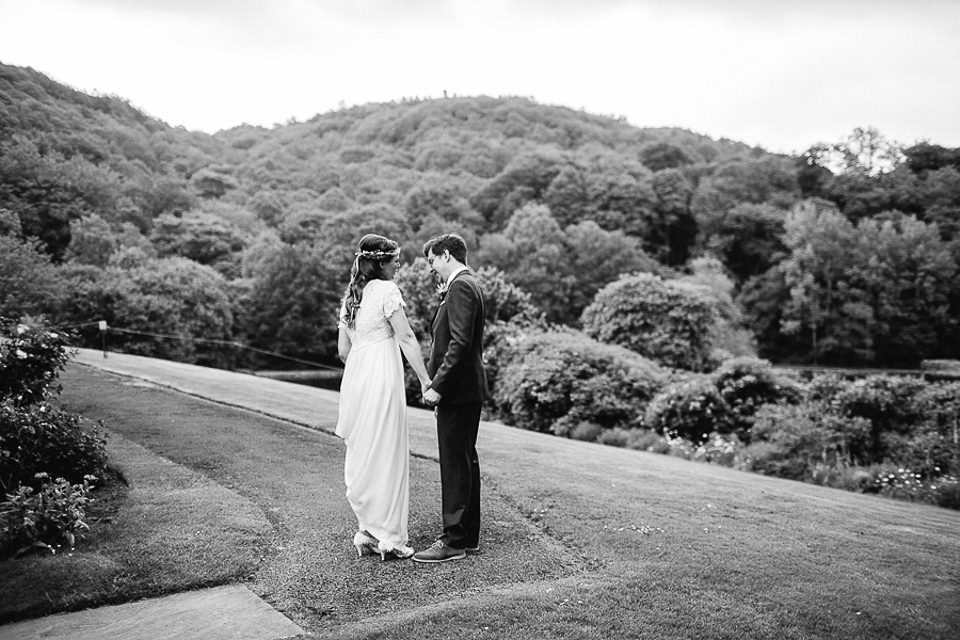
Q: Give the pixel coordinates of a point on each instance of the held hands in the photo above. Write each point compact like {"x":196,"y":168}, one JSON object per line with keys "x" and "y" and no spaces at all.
{"x":431,"y":397}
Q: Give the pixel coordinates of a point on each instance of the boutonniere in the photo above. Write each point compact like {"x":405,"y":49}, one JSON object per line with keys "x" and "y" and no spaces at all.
{"x":442,"y":290}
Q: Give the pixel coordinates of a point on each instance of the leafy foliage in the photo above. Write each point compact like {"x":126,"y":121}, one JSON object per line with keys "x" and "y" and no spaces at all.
{"x":42,"y":518}
{"x":691,"y":409}
{"x":557,"y":379}
{"x":667,"y":321}
{"x":746,"y":384}
{"x":562,"y":202}
{"x":29,"y":283}
{"x":41,"y":439}
{"x":31,"y":359}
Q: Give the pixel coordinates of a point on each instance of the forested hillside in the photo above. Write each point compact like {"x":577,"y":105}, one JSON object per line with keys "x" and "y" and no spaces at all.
{"x":846,"y":255}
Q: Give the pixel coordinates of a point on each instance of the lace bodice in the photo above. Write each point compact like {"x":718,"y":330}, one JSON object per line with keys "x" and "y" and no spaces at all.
{"x":381,"y":299}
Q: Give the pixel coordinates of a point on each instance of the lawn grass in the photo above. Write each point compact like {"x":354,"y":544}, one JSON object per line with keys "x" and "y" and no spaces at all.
{"x":580,"y":540}
{"x":170,"y":529}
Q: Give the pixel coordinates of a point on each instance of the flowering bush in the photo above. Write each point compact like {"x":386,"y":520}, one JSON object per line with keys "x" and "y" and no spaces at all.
{"x":31,"y":359}
{"x":906,"y":484}
{"x":32,"y":519}
{"x":40,"y":439}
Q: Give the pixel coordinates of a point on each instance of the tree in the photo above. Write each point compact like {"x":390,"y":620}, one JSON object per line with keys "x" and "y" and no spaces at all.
{"x":924,"y":157}
{"x":28,"y":281}
{"x":663,"y":155}
{"x":747,"y":238}
{"x":295,"y":300}
{"x":530,"y":251}
{"x":823,"y":304}
{"x":525,"y":178}
{"x":164,"y":308}
{"x":595,"y":258}
{"x":202,"y":237}
{"x":940,"y":192}
{"x":673,"y":228}
{"x":438,"y":197}
{"x":909,"y":277}
{"x":866,"y":151}
{"x":92,"y":241}
{"x":771,"y":180}
{"x":346,"y":228}
{"x":33,"y":186}
{"x":568,"y":196}
{"x":877,"y":293}
{"x":10,"y":224}
{"x":668,"y":321}
{"x":562,"y":269}
{"x":730,"y":336}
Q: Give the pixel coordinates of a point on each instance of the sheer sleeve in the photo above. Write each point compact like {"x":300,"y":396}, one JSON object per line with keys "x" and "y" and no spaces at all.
{"x":342,"y":323}
{"x":392,"y":300}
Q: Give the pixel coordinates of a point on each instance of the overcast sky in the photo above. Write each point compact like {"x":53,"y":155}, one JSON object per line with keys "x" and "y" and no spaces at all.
{"x":782,"y":74}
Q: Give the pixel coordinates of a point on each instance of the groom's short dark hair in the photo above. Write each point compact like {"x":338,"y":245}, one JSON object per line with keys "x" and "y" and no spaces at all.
{"x":451,"y":242}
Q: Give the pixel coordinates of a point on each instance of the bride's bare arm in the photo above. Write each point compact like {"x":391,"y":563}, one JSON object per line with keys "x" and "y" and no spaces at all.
{"x":343,"y":344}
{"x":409,"y":345}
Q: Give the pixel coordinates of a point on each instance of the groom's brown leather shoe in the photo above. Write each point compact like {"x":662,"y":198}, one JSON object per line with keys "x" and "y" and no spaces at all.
{"x":440,"y":551}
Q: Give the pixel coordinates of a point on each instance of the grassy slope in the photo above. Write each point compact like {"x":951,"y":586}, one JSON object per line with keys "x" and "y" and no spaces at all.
{"x":175,"y":530}
{"x":580,"y":540}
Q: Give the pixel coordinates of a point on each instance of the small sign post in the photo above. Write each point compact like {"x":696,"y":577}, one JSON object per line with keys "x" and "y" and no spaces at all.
{"x":103,"y":336}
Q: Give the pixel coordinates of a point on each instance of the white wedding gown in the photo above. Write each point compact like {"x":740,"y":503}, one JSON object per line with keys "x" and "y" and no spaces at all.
{"x":373,"y":420}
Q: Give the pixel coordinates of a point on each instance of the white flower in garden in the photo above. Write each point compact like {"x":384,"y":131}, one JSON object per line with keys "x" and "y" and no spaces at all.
{"x":21,"y":328}
{"x":21,"y":354}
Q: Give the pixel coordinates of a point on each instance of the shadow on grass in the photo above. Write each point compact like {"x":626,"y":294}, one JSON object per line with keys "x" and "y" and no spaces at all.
{"x":174,"y":530}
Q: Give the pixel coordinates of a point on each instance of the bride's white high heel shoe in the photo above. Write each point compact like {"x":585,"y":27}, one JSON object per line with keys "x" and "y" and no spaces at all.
{"x":365,"y":543}
{"x":400,"y":553}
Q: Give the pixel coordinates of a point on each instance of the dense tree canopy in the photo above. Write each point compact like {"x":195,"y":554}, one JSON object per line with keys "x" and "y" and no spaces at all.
{"x":847,"y":253}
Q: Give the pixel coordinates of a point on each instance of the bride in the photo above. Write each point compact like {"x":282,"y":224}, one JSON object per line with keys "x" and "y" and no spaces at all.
{"x":373,"y":330}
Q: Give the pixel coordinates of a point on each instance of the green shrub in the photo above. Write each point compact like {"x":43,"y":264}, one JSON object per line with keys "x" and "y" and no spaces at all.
{"x":904,"y":483}
{"x":690,"y":409}
{"x":31,"y":359}
{"x":40,"y":439}
{"x":790,"y":441}
{"x":948,"y":493}
{"x":668,"y":321}
{"x":889,"y":403}
{"x":586,"y":431}
{"x":565,"y":374}
{"x":939,"y":403}
{"x":722,"y":449}
{"x":746,"y":384}
{"x":42,"y":518}
{"x":616,"y":437}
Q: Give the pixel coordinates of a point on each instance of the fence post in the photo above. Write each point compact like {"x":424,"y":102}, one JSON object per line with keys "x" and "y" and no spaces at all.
{"x":103,"y":336}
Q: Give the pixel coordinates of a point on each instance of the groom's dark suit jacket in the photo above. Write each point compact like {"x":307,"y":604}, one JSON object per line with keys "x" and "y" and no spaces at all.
{"x":456,"y":359}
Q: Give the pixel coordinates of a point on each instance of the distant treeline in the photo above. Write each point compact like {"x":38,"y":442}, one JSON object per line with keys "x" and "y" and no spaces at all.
{"x":845,"y":255}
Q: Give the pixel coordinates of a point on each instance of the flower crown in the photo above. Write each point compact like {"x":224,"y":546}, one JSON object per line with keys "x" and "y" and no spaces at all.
{"x":378,"y":254}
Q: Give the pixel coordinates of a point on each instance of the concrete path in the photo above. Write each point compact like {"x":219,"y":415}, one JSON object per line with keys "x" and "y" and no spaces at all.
{"x":232,"y":612}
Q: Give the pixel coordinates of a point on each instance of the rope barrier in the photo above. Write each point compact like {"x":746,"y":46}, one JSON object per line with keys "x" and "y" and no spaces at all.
{"x":228,"y":343}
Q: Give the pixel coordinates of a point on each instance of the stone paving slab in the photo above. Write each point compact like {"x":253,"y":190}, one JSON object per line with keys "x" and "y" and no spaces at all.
{"x":231,"y":612}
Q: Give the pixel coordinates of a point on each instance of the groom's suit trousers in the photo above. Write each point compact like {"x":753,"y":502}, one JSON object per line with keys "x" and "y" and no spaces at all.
{"x":457,"y":427}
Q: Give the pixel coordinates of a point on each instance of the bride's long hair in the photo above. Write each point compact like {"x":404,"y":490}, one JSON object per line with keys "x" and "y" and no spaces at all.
{"x":372,"y":252}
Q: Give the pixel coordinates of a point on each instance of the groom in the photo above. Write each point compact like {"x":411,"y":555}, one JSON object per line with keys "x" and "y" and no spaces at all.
{"x":458,"y":389}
